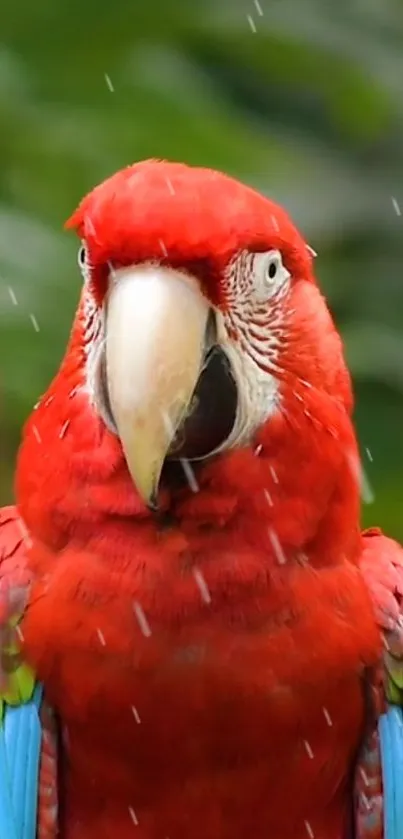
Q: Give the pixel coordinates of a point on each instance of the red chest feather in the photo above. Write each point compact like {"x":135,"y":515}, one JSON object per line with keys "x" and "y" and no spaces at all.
{"x":216,"y":702}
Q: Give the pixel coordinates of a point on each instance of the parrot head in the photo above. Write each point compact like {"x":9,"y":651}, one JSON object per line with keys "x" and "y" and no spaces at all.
{"x":201,"y":333}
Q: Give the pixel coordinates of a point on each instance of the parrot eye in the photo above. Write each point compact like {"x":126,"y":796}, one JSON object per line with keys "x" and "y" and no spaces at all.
{"x":270,"y":273}
{"x":272,"y":269}
{"x":82,"y":260}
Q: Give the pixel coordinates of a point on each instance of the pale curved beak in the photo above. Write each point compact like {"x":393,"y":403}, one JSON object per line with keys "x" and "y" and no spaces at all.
{"x":156,"y":321}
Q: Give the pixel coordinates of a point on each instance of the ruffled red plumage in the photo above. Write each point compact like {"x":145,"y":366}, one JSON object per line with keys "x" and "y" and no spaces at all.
{"x":208,"y":665}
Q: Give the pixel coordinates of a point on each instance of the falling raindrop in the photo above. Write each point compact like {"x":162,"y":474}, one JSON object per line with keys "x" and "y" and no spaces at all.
{"x":364,"y":776}
{"x":163,"y":247}
{"x":204,"y":591}
{"x":63,"y":429}
{"x":136,"y":715}
{"x":273,"y":474}
{"x":367,"y":493}
{"x":190,"y":475}
{"x":12,"y":295}
{"x":361,"y":477}
{"x":276,"y":545}
{"x":142,"y":620}
{"x":308,"y":749}
{"x":133,"y":816}
{"x":109,"y":83}
{"x":101,"y":637}
{"x":251,"y":22}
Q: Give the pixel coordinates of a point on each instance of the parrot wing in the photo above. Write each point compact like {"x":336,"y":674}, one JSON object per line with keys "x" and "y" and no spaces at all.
{"x":13,"y":543}
{"x":378,"y":784}
{"x":382,"y":567}
{"x":16,"y":680}
{"x":28,"y":737}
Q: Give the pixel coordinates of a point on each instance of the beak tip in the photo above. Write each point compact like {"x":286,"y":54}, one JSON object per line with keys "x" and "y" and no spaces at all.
{"x":152,"y":502}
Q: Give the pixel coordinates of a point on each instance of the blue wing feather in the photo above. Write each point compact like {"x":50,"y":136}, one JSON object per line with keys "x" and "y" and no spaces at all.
{"x":391,"y":743}
{"x":20,"y":751}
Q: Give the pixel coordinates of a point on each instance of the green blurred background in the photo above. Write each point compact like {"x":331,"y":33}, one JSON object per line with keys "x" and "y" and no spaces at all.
{"x":301,"y":98}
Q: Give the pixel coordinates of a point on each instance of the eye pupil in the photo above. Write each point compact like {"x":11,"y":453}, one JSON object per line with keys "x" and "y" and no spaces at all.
{"x":272,"y":270}
{"x":82,"y":254}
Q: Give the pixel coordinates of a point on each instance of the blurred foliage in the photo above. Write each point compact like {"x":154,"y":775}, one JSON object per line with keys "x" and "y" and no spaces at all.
{"x":301,"y":98}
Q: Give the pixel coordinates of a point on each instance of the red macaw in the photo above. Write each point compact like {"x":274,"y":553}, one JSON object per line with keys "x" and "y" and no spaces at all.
{"x":196,"y":596}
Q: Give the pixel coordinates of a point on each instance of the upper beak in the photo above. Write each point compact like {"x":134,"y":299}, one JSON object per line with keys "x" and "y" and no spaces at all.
{"x":156,"y":322}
